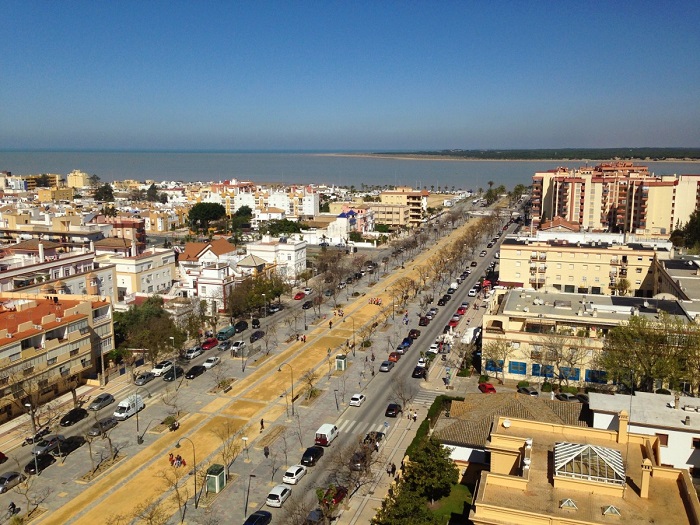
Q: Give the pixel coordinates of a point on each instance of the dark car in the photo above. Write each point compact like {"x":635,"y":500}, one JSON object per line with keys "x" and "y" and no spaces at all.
{"x":71,"y":444}
{"x":255,"y":323}
{"x":240,"y":326}
{"x":419,"y":372}
{"x":424,"y":321}
{"x":3,"y":457}
{"x":360,"y":460}
{"x":274,"y":308}
{"x":72,"y":417}
{"x":450,"y":291}
{"x":259,"y":517}
{"x":39,"y":462}
{"x":258,"y":334}
{"x":473,"y":264}
{"x":441,"y":301}
{"x":447,"y":297}
{"x":528,"y":391}
{"x":174,"y":373}
{"x":38,"y":436}
{"x":225,"y":345}
{"x":101,"y":401}
{"x":414,"y":333}
{"x":307,"y":305}
{"x":373,"y":438}
{"x":311,"y":456}
{"x":393,"y":410}
{"x":195,"y":371}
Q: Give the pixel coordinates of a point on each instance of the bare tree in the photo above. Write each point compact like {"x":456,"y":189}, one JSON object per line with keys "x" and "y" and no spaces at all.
{"x":178,"y":485}
{"x":152,"y":512}
{"x":230,"y":444}
{"x":285,"y":446}
{"x":270,"y":339}
{"x":403,"y":390}
{"x":171,"y":399}
{"x":496,"y":352}
{"x":360,"y":473}
{"x":33,"y":496}
{"x":310,"y":377}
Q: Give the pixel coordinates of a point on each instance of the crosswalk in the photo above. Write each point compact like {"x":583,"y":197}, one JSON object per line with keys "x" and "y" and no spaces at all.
{"x":425,"y":397}
{"x":361,"y":428}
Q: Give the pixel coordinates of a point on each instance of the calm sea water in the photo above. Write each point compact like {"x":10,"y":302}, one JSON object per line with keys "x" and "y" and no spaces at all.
{"x":293,"y":168}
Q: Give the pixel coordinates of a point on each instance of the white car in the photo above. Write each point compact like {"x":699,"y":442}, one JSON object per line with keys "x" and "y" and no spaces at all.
{"x":211,"y":362}
{"x":308,"y":291}
{"x":161,"y":368}
{"x":357,"y":400}
{"x":237,"y":347}
{"x":422,"y":362}
{"x":434,"y":348}
{"x":472,"y":292}
{"x":194,"y":352}
{"x":278,"y":496}
{"x":294,"y":474}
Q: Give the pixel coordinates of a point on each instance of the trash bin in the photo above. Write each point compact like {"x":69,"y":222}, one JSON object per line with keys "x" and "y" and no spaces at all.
{"x":341,"y":362}
{"x":216,"y":478}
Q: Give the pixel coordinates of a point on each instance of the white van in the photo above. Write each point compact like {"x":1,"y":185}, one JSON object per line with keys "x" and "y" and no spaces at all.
{"x":129,"y":407}
{"x":326,"y":434}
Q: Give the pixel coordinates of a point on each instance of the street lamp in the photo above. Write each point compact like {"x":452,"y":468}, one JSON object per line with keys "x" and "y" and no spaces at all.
{"x":138,"y":440}
{"x":264,"y":307}
{"x":31,"y":414}
{"x":245,"y":446}
{"x":172,"y":340}
{"x":291,"y":371}
{"x":194,"y":465}
{"x":247,"y":494}
{"x":353,"y":333}
{"x":337,"y":407}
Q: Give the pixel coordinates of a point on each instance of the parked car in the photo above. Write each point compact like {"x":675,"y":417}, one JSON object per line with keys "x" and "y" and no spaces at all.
{"x":274,"y":308}
{"x":194,"y":352}
{"x":299,"y":296}
{"x":240,"y":326}
{"x":442,"y":301}
{"x":259,"y":517}
{"x":422,"y":362}
{"x":143,"y":378}
{"x":255,"y":323}
{"x":374,"y":438}
{"x":482,"y":253}
{"x":453,"y":322}
{"x":210,"y":343}
{"x":307,"y":305}
{"x":237,"y":347}
{"x":71,"y":444}
{"x":420,"y":372}
{"x":360,"y":459}
{"x":414,"y":333}
{"x":102,"y":426}
{"x":487,"y":388}
{"x":278,"y":495}
{"x":294,"y":474}
{"x":37,"y":437}
{"x":333,"y":496}
{"x":394,"y":357}
{"x":462,"y":310}
{"x":311,"y":456}
{"x":211,"y":362}
{"x":195,"y":371}
{"x":528,"y":391}
{"x":101,"y":401}
{"x":472,"y":292}
{"x":473,"y":264}
{"x":308,"y":291}
{"x":570,"y":398}
{"x":173,"y":374}
{"x":258,"y":334}
{"x":393,"y":410}
{"x":40,"y":462}
{"x":3,"y":457}
{"x":424,"y":321}
{"x":9,"y":480}
{"x":450,"y":291}
{"x":48,"y":444}
{"x":161,"y":368}
{"x":447,"y":297}
{"x":386,"y":366}
{"x":357,"y":400}
{"x":73,"y":416}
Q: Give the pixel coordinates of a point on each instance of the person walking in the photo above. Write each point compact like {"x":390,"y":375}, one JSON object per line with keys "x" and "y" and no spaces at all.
{"x":393,"y":470}
{"x":266,"y":451}
{"x":262,"y":425}
{"x":415,"y":416}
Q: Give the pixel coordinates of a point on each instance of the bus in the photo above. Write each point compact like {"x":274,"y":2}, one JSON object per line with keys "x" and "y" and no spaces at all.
{"x":226,"y":333}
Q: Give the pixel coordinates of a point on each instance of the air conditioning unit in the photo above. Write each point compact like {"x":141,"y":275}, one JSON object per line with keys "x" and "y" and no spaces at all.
{"x":59,"y":319}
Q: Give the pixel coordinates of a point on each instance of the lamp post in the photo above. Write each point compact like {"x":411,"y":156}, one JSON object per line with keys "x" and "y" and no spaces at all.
{"x":194,"y":465}
{"x":139,"y":440}
{"x":337,"y":407}
{"x":172,"y":340}
{"x":247,"y":495}
{"x":31,"y":414}
{"x":245,"y":446}
{"x":264,"y":306}
{"x":353,"y":334}
{"x":291,"y":371}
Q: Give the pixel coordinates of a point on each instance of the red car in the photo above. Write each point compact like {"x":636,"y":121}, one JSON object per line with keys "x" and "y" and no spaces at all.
{"x":334,"y":495}
{"x":210,"y":343}
{"x":394,"y":356}
{"x":299,"y":296}
{"x":462,"y":310}
{"x":453,"y":323}
{"x":487,"y":388}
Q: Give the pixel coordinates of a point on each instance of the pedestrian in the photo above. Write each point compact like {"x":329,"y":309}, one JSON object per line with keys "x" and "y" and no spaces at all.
{"x":393,"y":469}
{"x":171,"y":458}
{"x":373,"y":357}
{"x":415,"y":416}
{"x":262,"y":425}
{"x":304,"y":337}
{"x":178,"y":461}
{"x":388,"y":470}
{"x":183,"y":462}
{"x":266,"y":451}
{"x":330,"y":324}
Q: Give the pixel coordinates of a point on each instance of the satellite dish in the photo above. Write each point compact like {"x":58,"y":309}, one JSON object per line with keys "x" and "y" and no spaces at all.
{"x":506,"y":423}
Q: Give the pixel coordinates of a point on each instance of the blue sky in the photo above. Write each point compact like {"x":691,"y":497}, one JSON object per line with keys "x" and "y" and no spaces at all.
{"x":349,"y":75}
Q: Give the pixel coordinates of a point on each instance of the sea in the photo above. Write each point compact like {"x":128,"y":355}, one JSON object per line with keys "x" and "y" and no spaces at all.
{"x":290,"y":168}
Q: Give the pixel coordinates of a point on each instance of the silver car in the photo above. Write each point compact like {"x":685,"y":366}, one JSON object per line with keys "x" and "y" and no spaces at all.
{"x":143,"y":378}
{"x":102,"y":426}
{"x":9,"y":480}
{"x":48,"y":444}
{"x":101,"y":401}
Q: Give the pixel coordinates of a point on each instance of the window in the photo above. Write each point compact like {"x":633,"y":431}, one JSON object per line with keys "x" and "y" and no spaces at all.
{"x":558,"y":266}
{"x":596,"y":376}
{"x":696,"y":442}
{"x":571,"y":280}
{"x":516,"y":367}
{"x":571,"y":267}
{"x":663,"y":439}
{"x":558,"y":277}
{"x":637,"y":282}
{"x":517,"y":263}
{"x":597,"y":268}
{"x":517,"y":275}
{"x":492,"y":366}
{"x":585,"y":267}
{"x":573,"y":374}
{"x":542,"y":370}
{"x":640,"y":258}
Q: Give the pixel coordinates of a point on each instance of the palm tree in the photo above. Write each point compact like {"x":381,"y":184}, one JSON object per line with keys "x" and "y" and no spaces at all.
{"x":490,"y":183}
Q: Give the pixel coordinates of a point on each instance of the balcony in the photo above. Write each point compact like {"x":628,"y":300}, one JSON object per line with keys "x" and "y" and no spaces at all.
{"x":536,"y":280}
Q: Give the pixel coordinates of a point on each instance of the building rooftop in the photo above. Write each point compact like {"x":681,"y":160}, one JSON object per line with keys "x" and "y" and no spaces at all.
{"x":648,"y":409}
{"x":587,"y":244}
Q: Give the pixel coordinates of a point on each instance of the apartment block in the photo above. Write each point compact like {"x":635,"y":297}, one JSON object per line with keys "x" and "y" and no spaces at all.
{"x":615,"y":197}
{"x":287,"y":254}
{"x":576,"y":263}
{"x":49,"y":344}
{"x":394,"y":216}
{"x":416,"y":200}
{"x":151,"y":272}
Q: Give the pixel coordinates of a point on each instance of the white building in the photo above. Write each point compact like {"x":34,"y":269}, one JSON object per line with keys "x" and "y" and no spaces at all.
{"x":288,"y":254}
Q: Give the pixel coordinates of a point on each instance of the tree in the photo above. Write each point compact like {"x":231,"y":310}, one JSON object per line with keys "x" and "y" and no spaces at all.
{"x":280,"y":227}
{"x":405,"y":507}
{"x":104,"y":193}
{"x":94,"y":180}
{"x":495,"y":354}
{"x":202,"y":213}
{"x":622,"y":286}
{"x":403,"y":390}
{"x":152,"y":193}
{"x":431,"y":473}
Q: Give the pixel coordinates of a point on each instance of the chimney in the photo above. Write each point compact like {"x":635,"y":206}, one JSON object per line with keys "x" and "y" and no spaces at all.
{"x":92,"y":246}
{"x":134,"y":251}
{"x":686,"y":422}
{"x":646,"y":478}
{"x":41,"y":252}
{"x":676,"y":401}
{"x":622,"y":429}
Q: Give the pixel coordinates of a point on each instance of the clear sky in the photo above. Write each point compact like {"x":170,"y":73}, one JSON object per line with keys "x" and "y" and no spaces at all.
{"x":350,"y":75}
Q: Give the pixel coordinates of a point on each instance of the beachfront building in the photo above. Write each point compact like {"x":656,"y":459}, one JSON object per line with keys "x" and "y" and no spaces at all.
{"x":78,"y":179}
{"x":395,"y":216}
{"x":616,"y":197}
{"x":416,"y":200}
{"x":556,"y":336}
{"x":547,"y":473}
{"x":49,"y":344}
{"x":582,"y":263}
